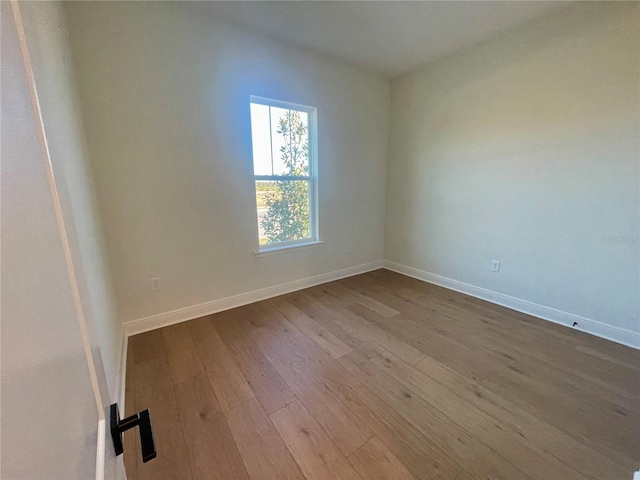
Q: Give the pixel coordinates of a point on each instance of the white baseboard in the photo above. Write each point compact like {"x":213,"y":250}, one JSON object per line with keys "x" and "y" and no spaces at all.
{"x":587,"y":325}
{"x":152,"y":322}
{"x":101,"y":448}
{"x":594,"y":327}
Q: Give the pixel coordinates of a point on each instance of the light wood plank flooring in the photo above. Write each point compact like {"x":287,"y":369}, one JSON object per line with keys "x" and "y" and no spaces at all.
{"x":380,"y":376}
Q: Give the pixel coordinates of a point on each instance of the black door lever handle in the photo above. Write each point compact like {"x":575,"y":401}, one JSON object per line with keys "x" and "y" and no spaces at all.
{"x":141,"y":420}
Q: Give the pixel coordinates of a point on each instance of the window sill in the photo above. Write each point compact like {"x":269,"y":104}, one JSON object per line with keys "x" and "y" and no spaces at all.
{"x":287,"y":248}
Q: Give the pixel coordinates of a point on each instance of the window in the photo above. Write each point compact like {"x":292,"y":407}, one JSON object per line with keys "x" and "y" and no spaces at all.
{"x":284,"y":165}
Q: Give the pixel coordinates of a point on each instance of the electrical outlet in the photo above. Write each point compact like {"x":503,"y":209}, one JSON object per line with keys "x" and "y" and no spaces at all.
{"x":495,"y":265}
{"x":155,"y":283}
{"x":348,"y":248}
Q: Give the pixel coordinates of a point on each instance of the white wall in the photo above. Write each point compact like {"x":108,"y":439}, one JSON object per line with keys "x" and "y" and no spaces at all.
{"x":48,"y":43}
{"x":526,"y":149}
{"x":165,"y":97}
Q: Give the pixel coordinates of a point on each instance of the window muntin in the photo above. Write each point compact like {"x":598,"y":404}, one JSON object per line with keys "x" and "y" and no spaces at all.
{"x":284,"y":145}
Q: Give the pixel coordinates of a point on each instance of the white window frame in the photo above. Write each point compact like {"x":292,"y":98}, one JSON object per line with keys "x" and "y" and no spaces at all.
{"x":314,"y":239}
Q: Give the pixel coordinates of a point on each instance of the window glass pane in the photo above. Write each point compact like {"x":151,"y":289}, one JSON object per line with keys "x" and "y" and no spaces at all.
{"x":290,"y":142}
{"x":260,"y":137}
{"x":283,"y":210}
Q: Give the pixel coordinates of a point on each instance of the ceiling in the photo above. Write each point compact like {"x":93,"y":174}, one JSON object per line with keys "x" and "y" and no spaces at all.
{"x":388,"y":37}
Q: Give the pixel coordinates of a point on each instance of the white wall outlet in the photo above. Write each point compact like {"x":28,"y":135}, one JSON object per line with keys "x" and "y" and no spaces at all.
{"x":495,"y":265}
{"x":348,"y":248}
{"x":155,"y":283}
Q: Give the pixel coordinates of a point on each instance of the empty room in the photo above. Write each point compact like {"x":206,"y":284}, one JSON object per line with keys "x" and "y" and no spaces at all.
{"x":320,"y":240}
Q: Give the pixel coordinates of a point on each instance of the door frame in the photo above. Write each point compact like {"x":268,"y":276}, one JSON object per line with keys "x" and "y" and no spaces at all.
{"x":64,"y":238}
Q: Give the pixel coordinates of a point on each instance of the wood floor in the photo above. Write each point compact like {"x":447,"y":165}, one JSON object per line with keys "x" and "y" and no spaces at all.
{"x":381,"y":376}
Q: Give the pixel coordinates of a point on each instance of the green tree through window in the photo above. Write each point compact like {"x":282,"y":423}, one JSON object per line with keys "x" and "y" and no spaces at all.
{"x":287,"y":216}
